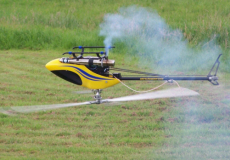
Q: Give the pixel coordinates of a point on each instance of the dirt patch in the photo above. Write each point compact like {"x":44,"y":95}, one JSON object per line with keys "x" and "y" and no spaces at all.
{"x":161,"y":108}
{"x":137,"y":145}
{"x":29,"y":92}
{"x":161,"y":119}
{"x":172,"y":119}
{"x":134,"y":114}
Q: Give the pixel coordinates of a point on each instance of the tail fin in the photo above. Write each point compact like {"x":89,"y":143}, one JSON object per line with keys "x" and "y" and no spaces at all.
{"x":213,"y":78}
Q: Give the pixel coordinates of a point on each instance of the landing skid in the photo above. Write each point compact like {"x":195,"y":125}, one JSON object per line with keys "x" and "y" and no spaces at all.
{"x":97,"y":97}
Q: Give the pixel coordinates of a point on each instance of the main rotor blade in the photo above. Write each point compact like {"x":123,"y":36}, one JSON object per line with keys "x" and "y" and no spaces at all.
{"x":82,"y":92}
{"x":27,"y":109}
{"x":175,"y":92}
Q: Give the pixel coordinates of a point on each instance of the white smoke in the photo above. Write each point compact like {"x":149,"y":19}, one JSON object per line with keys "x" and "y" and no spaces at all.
{"x":146,"y":34}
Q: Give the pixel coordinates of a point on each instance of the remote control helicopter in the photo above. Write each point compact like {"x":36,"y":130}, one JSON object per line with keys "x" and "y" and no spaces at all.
{"x":94,"y":73}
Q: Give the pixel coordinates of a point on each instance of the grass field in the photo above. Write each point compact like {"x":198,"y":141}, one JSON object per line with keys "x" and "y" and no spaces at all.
{"x":34,"y":32}
{"x":62,"y":24}
{"x":175,"y":128}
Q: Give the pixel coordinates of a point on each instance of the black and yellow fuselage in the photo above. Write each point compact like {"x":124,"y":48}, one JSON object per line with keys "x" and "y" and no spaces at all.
{"x":81,"y":75}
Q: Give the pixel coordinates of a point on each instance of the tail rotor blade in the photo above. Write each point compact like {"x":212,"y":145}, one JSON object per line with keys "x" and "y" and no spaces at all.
{"x":175,"y":92}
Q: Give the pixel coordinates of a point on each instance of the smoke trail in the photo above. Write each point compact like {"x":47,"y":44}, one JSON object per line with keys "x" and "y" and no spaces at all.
{"x":147,"y":35}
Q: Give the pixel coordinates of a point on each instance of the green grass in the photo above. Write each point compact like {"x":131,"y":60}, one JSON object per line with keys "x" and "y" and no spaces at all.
{"x":198,"y":20}
{"x":35,"y":32}
{"x":63,"y":24}
{"x":175,"y":128}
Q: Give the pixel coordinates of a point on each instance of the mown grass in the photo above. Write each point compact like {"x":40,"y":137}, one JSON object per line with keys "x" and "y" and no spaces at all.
{"x":58,"y":25}
{"x":176,"y":128}
{"x":198,"y":20}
